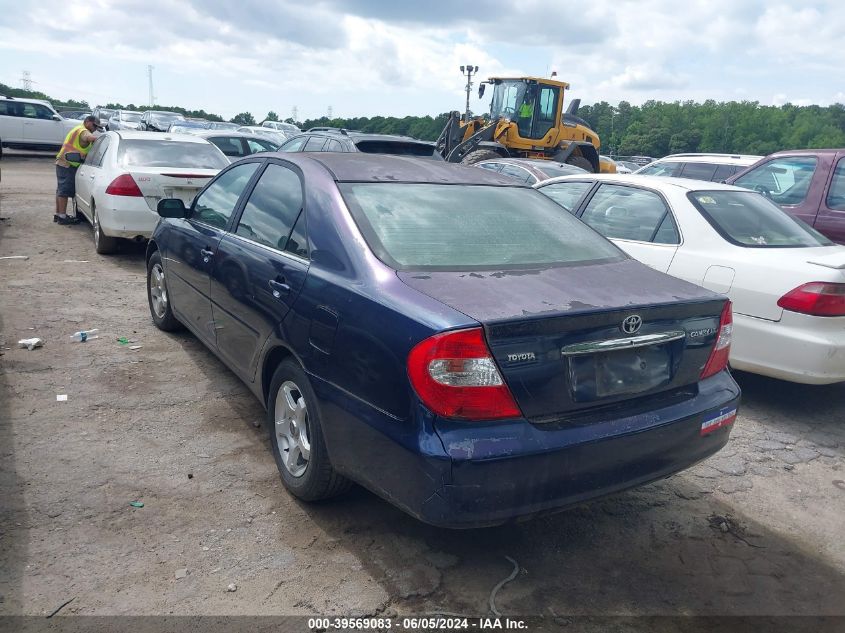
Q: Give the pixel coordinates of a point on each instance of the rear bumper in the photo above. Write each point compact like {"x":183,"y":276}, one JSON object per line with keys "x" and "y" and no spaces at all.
{"x":482,"y":475}
{"x":124,"y":216}
{"x":799,"y":348}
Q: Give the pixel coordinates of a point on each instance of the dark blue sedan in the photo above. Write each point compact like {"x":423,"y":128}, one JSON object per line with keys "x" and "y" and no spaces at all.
{"x":450,"y":340}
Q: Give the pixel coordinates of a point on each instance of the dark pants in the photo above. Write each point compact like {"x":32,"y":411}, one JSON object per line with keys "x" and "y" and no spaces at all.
{"x":66,"y":179}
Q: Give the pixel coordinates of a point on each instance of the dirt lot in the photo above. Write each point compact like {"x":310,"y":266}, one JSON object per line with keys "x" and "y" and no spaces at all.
{"x":758,"y":529}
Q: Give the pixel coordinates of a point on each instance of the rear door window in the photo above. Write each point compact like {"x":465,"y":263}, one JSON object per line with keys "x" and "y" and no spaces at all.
{"x":724,"y":172}
{"x":231,"y":146}
{"x":520,"y":174}
{"x":294,"y":145}
{"x":314,"y":144}
{"x":567,"y":194}
{"x":785,"y":180}
{"x":272,"y":208}
{"x":698,"y":171}
{"x":668,"y":168}
{"x":98,"y":152}
{"x":628,"y":213}
{"x":215,"y":205}
{"x":836,"y":195}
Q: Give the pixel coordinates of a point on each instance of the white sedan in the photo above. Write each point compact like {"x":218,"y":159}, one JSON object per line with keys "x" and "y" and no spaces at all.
{"x":786,"y":281}
{"x":126,"y":173}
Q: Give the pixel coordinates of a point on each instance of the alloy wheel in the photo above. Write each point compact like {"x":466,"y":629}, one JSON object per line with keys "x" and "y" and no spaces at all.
{"x":292,"y":429}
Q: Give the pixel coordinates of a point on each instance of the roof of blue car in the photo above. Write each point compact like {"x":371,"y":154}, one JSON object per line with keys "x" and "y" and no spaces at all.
{"x":361,"y":167}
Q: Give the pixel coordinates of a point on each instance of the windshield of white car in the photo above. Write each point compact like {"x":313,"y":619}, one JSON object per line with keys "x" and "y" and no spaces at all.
{"x":131,"y":117}
{"x":748,"y":219}
{"x":143,"y":153}
{"x":470,"y":227}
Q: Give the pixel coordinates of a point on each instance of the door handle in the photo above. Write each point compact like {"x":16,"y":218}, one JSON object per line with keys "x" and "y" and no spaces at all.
{"x":279,"y":287}
{"x":206,"y":252}
{"x":91,"y":177}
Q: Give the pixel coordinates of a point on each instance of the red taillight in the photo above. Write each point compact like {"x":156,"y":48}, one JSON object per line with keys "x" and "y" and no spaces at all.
{"x":817,"y":298}
{"x":124,"y":185}
{"x":455,"y":376}
{"x":719,"y":356}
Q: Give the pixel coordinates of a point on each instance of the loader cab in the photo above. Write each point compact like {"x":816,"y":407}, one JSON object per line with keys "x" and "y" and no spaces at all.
{"x":533,"y":105}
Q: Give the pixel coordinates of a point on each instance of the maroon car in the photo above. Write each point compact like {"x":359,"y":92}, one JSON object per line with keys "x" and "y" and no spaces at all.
{"x":809,"y":184}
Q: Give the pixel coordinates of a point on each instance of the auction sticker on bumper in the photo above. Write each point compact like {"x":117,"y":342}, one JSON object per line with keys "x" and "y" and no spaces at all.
{"x":717,"y":421}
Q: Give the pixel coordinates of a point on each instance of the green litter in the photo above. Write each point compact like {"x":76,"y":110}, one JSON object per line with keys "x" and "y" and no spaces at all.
{"x":136,"y":504}
{"x":123,"y":340}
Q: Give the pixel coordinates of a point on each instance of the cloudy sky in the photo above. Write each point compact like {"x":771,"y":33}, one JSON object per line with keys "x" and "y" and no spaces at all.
{"x":369,"y":57}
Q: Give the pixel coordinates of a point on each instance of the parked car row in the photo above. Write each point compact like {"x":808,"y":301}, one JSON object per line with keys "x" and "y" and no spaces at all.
{"x":500,"y":347}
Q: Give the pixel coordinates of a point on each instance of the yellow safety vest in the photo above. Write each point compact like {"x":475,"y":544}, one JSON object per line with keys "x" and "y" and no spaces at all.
{"x":73,"y":143}
{"x":526,"y":110}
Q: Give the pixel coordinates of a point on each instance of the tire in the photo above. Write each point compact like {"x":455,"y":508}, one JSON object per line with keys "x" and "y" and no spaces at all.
{"x":580,"y":161}
{"x":157,"y":296}
{"x":103,"y":244}
{"x":480,"y":154}
{"x":293,"y":419}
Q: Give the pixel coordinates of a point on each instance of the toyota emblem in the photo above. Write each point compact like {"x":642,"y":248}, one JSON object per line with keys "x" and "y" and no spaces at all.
{"x":632,"y":324}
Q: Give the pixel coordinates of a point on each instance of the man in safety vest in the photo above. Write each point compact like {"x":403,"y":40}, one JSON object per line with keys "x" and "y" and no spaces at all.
{"x":526,"y":112}
{"x":79,"y":139}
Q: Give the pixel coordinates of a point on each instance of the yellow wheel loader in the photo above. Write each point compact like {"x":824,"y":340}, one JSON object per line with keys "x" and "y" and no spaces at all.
{"x":526,"y":120}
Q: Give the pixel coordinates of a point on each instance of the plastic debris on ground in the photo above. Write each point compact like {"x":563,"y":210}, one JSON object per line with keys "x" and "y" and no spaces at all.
{"x":123,"y":340}
{"x":30,"y":343}
{"x":85,"y":335}
{"x":15,"y":257}
{"x":135,"y":347}
{"x":61,"y":397}
{"x":136,"y":504}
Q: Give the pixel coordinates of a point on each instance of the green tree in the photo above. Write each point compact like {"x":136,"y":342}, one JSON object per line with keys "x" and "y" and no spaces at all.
{"x":244,"y":118}
{"x":271,"y":116}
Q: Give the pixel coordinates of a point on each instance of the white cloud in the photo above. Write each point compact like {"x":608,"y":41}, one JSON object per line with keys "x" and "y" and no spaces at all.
{"x":365,"y":57}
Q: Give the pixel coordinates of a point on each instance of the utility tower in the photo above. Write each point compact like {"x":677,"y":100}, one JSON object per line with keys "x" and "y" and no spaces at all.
{"x":294,"y":113}
{"x":150,"y":79}
{"x":329,"y":113}
{"x":468,"y":71}
{"x":26,"y":80}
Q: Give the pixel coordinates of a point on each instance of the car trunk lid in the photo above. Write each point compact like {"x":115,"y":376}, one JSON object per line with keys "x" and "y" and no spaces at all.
{"x":572,"y":339}
{"x":183,"y":183}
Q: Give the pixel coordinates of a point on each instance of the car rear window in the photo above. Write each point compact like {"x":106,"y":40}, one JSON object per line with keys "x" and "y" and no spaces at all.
{"x":470,"y":227}
{"x":143,"y":153}
{"x":400,"y":148}
{"x":748,"y":219}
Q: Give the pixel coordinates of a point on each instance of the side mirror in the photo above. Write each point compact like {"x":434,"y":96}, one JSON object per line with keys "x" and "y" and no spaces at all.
{"x":481,"y":88}
{"x":74,"y":157}
{"x":171,"y":208}
{"x":57,"y":117}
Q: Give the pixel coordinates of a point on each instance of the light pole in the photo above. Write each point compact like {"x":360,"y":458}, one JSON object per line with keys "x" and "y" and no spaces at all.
{"x":468,"y":71}
{"x":612,"y":115}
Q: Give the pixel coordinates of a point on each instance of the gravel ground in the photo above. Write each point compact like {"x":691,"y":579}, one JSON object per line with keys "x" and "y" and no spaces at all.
{"x":758,"y":529}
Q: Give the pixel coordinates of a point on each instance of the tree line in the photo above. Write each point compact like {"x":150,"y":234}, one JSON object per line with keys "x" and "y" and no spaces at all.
{"x":654,"y":128}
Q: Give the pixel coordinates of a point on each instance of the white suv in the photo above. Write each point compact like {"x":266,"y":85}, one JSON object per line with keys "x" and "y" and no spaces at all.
{"x":712,"y":167}
{"x":31,"y":124}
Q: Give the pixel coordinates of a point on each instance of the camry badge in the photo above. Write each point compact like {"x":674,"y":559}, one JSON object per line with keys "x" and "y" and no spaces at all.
{"x":632,"y":324}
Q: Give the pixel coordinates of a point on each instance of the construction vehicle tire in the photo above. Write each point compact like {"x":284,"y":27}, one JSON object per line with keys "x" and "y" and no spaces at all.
{"x":580,"y":161}
{"x":479,"y":155}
